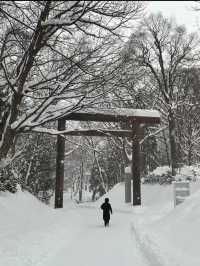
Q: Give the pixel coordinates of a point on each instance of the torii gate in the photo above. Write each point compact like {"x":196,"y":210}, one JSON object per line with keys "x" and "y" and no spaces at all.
{"x":131,"y":116}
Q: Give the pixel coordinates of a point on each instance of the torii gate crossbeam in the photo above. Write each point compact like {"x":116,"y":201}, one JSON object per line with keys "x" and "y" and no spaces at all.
{"x":131,"y":116}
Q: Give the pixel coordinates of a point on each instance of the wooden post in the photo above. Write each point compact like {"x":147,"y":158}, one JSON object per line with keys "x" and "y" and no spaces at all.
{"x":60,"y":157}
{"x":81,"y":181}
{"x":127,"y":189}
{"x":127,"y":182}
{"x":136,"y":166}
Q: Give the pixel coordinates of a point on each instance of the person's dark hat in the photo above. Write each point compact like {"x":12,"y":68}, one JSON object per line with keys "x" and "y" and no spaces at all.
{"x":106,"y":199}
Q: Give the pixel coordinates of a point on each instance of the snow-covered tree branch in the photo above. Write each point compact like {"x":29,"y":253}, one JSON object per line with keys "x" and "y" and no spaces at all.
{"x":52,"y":51}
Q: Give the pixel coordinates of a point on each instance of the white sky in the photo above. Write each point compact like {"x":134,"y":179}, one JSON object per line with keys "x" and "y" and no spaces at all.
{"x":180,"y":10}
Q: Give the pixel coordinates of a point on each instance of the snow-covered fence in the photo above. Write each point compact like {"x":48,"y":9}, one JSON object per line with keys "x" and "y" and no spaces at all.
{"x":181,"y":191}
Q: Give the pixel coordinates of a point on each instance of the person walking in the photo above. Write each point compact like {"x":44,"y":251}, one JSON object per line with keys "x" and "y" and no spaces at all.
{"x":107,"y":209}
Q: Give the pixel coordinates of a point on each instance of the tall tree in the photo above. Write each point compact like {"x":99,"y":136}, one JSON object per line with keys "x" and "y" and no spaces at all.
{"x":188,"y":124}
{"x":163,"y":49}
{"x":53,"y":50}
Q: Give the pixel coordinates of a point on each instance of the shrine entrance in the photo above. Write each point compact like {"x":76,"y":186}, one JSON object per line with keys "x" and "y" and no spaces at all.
{"x":134,"y":117}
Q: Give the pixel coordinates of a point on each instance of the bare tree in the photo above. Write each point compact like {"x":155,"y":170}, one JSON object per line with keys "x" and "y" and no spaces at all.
{"x":52,"y":51}
{"x":188,"y":125}
{"x":164,"y":49}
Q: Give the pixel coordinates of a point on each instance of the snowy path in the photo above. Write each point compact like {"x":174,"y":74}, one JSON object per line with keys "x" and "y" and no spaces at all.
{"x":156,"y":234}
{"x":96,"y":245}
{"x":72,"y":236}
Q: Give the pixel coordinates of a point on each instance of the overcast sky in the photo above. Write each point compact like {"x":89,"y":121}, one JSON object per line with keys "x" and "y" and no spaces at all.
{"x":180,"y":10}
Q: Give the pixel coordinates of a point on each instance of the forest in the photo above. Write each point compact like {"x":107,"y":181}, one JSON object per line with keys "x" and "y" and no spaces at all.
{"x":60,"y":57}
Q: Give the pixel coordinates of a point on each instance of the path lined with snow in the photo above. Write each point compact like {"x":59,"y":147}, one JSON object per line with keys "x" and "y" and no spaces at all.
{"x":154,"y":234}
{"x":96,"y":245}
{"x":73,"y":236}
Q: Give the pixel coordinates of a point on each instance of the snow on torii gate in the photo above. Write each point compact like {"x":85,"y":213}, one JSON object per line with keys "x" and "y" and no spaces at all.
{"x":131,"y":116}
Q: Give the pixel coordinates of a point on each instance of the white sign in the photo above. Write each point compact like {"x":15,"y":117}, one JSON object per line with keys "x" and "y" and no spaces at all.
{"x":181,"y":191}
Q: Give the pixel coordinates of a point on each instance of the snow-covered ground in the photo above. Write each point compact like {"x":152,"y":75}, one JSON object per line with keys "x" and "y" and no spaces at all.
{"x":154,"y":234}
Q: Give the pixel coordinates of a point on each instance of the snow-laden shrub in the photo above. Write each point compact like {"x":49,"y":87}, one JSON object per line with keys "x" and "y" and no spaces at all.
{"x":190,"y":173}
{"x":161,"y":175}
{"x":7,"y":180}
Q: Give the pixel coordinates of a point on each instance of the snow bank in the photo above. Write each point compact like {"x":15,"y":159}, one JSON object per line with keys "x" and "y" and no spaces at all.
{"x":180,"y":229}
{"x":167,"y":236}
{"x":20,"y":208}
{"x":161,"y":170}
{"x":30,"y":230}
{"x":185,"y":171}
{"x":192,"y":171}
{"x":171,"y":233}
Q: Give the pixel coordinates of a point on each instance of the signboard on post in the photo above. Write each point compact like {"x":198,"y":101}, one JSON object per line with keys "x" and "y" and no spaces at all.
{"x":181,"y":191}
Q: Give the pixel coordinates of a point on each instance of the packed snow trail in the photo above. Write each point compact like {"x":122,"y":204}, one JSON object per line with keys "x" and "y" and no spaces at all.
{"x":97,"y":245}
{"x":155,"y":234}
{"x":33,"y":234}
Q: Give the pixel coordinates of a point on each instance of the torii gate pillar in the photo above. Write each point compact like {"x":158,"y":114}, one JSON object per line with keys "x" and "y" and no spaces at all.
{"x":136,"y":166}
{"x":133,"y":116}
{"x":60,"y":159}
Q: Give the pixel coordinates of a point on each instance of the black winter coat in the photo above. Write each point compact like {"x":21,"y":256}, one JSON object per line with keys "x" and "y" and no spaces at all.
{"x":107,"y":209}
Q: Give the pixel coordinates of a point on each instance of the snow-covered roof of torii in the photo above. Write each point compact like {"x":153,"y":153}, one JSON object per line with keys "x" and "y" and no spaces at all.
{"x":115,"y":115}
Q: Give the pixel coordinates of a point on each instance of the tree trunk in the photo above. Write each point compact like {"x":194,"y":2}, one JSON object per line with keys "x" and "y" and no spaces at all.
{"x":81,"y":183}
{"x":7,"y":143}
{"x":7,"y":135}
{"x":190,"y":156}
{"x":166,"y":148}
{"x":172,"y":139}
{"x":93,"y":195}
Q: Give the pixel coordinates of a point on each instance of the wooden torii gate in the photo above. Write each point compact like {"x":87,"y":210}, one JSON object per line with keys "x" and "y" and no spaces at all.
{"x":135,"y":117}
